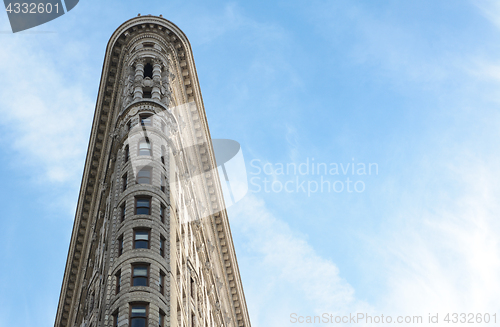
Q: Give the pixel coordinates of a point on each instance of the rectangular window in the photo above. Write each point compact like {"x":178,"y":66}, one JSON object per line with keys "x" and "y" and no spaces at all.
{"x":145,"y":147}
{"x":144,"y":176}
{"x":124,"y":182}
{"x":120,"y":245}
{"x":162,"y":213}
{"x":142,"y":206}
{"x":141,"y":239}
{"x":126,"y":154}
{"x":129,"y":125}
{"x":140,"y":275}
{"x":163,"y":183}
{"x":115,"y":319}
{"x":161,"y":320}
{"x":162,"y":246}
{"x":163,"y":149}
{"x":123,"y":211}
{"x":146,"y":120}
{"x":162,"y":282}
{"x":118,"y":281}
{"x":193,"y":289}
{"x":138,"y":315}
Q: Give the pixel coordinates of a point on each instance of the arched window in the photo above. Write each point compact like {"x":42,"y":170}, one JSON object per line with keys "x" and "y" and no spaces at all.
{"x":145,"y":147}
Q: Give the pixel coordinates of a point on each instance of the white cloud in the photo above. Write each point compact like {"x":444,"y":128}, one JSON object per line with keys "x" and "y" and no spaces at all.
{"x":291,"y":276}
{"x":46,"y":117}
{"x":440,"y":249}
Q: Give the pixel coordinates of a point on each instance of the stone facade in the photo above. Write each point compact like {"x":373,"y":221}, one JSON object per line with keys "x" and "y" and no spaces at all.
{"x":151,"y":244}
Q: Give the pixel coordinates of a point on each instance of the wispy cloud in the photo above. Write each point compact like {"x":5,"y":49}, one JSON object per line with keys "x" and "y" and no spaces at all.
{"x":286,"y":267}
{"x":45,"y":115}
{"x":444,"y":255}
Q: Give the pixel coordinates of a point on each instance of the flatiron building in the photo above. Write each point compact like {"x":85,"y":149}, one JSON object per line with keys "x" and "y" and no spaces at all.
{"x":151,"y":244}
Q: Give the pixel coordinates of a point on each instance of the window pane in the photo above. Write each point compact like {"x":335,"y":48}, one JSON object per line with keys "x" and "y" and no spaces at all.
{"x":144,"y":180}
{"x":143,"y":211}
{"x":142,"y":235}
{"x":144,"y":145}
{"x":144,"y":173}
{"x":141,"y":244}
{"x":127,"y":153}
{"x":142,"y":207}
{"x":140,"y":281}
{"x":138,"y":322}
{"x":144,"y":148}
{"x":139,"y":311}
{"x":143,"y":203}
{"x":140,"y":271}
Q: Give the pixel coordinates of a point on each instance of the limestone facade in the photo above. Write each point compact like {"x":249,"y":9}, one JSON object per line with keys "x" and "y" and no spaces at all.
{"x":151,"y":244}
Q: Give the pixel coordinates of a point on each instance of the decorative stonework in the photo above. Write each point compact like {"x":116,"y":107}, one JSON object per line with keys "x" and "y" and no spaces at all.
{"x":149,"y":69}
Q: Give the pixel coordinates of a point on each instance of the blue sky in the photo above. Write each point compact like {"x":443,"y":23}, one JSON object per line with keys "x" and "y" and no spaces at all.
{"x":411,"y":86}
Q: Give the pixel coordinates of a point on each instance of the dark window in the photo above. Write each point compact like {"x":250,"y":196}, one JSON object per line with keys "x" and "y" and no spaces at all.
{"x":115,"y":319}
{"x":146,"y":120}
{"x":126,"y":154}
{"x":147,"y":94}
{"x":123,"y":211}
{"x":118,"y":281}
{"x":163,"y":153}
{"x":193,"y":289}
{"x":162,"y":282}
{"x":144,"y":176}
{"x":124,"y":182}
{"x":142,"y":206}
{"x":161,"y":320}
{"x":163,"y":185}
{"x":120,"y":245}
{"x":129,"y":125}
{"x":145,"y":147}
{"x":162,"y":246}
{"x":148,"y":71}
{"x":140,"y":275}
{"x":138,"y":315}
{"x":162,"y":213}
{"x":141,"y":239}
{"x":148,"y":45}
{"x":179,"y":314}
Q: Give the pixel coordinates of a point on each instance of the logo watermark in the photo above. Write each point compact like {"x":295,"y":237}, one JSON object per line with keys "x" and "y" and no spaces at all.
{"x":160,"y":140}
{"x":367,"y":318}
{"x":24,"y":15}
{"x":310,"y":177}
